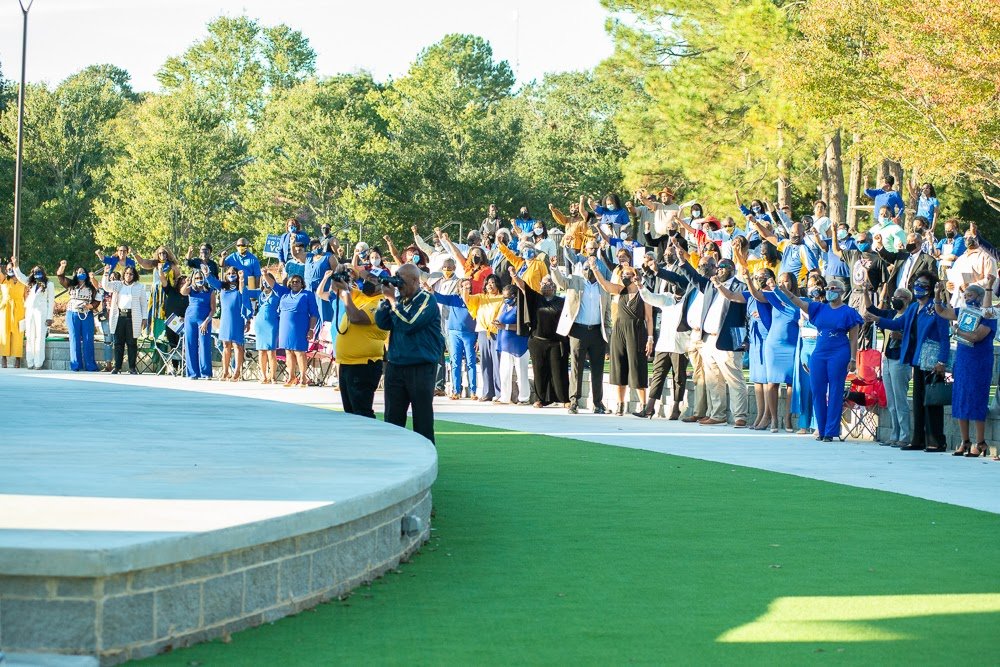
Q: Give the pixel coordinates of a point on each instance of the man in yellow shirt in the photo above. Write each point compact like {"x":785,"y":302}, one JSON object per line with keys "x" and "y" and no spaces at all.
{"x":360,"y":347}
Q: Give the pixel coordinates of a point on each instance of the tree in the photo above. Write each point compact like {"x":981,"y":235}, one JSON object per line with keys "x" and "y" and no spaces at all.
{"x":177,"y":177}
{"x":938,"y":73}
{"x":65,"y":158}
{"x":240,"y":66}
{"x":453,"y":132}
{"x":570,"y":145}
{"x":319,"y":150}
{"x":712,"y":117}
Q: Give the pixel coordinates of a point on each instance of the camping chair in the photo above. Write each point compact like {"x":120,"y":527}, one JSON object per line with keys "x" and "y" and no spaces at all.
{"x":320,"y":350}
{"x":251,"y":358}
{"x":867,"y":392}
{"x":166,"y":353}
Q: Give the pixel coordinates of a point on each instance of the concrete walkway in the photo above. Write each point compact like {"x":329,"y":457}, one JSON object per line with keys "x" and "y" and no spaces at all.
{"x":973,"y":483}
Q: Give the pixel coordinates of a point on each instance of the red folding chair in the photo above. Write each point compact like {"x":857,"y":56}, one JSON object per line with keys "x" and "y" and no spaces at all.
{"x":866,"y":393}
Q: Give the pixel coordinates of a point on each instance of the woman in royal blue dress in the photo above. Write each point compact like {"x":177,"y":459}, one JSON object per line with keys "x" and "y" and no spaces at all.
{"x":802,"y":401}
{"x":973,"y":370}
{"x":836,"y":348}
{"x":198,"y":326}
{"x":297,"y":317}
{"x":780,"y":347}
{"x":265,"y":324}
{"x":233,"y":320}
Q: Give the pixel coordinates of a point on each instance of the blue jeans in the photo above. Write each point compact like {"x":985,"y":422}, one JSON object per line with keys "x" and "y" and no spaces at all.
{"x":81,"y":341}
{"x":462,"y":347}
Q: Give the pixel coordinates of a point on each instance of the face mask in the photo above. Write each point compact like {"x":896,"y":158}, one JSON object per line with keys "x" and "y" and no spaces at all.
{"x":448,"y":273}
{"x":81,"y":276}
{"x":973,"y":303}
{"x":369,"y":289}
{"x":919,"y":230}
{"x":529,"y":253}
{"x":883,"y":220}
{"x":10,"y":272}
{"x":910,"y":247}
{"x":539,"y":231}
{"x":815,"y":292}
{"x":477,"y":260}
{"x":897,"y":303}
{"x":199,"y":283}
{"x":795,"y":240}
{"x":293,"y":229}
{"x":415,"y":259}
{"x":842,"y":234}
{"x":919,"y":291}
{"x":755,"y":209}
{"x":376,"y":260}
{"x":696,"y":213}
{"x":626,"y":281}
{"x":509,"y":301}
{"x":39,"y":275}
{"x":243,"y":251}
{"x":864,"y":246}
{"x":950,"y":234}
{"x":832,"y":295}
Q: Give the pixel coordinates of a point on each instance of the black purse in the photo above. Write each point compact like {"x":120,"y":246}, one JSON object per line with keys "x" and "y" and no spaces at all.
{"x":938,"y":392}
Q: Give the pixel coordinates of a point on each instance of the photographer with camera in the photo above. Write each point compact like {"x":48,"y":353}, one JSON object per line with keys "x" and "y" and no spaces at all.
{"x":415,"y":346}
{"x":360,"y":346}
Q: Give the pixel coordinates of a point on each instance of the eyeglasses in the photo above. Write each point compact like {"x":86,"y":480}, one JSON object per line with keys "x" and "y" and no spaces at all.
{"x":240,"y":245}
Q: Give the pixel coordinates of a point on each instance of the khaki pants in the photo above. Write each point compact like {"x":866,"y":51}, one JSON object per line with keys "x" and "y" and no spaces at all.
{"x":699,"y":407}
{"x":724,"y":374}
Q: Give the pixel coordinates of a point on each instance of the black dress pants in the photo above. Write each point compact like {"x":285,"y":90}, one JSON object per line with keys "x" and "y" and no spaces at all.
{"x":411,"y":387}
{"x":358,"y":383}
{"x":928,"y":420}
{"x":125,"y":338}
{"x":664,"y":363}
{"x":587,"y":344}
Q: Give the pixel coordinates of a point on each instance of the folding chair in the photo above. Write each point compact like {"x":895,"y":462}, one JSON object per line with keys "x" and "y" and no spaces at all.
{"x":251,"y":358}
{"x":867,"y":392}
{"x":168,"y":354}
{"x":321,"y":350}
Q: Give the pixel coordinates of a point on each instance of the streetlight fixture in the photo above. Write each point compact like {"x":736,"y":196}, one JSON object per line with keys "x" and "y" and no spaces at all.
{"x":16,"y":250}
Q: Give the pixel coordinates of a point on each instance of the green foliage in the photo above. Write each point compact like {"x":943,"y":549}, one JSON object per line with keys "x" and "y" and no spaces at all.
{"x":66,"y":157}
{"x":175,"y":181}
{"x":317,"y":151}
{"x":570,"y":145}
{"x":240,"y":66}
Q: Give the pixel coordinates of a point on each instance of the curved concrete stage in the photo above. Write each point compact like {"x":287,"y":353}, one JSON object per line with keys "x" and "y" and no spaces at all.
{"x":134,"y":518}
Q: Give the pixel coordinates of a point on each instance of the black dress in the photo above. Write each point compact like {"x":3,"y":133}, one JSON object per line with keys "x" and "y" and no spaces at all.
{"x":628,"y":343}
{"x":548,"y":350}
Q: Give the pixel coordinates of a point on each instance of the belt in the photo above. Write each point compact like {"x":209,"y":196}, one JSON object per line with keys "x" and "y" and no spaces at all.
{"x":508,"y":327}
{"x":588,"y":327}
{"x":124,"y":311}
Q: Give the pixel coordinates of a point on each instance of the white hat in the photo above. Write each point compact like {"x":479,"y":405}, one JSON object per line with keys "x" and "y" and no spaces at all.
{"x":361,"y":246}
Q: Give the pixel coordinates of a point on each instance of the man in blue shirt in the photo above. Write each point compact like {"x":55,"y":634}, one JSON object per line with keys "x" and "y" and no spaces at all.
{"x":245,"y":261}
{"x":416,"y":343}
{"x":886,"y":197}
{"x":289,"y":238}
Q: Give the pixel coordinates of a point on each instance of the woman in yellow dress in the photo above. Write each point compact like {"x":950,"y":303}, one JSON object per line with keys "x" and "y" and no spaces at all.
{"x":11,"y":317}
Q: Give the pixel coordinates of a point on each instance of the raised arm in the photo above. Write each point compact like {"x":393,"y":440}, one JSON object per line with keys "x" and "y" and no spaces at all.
{"x":558,"y":216}
{"x":148,"y":264}
{"x":455,"y":251}
{"x":794,"y":299}
{"x":392,"y":250}
{"x":321,"y":290}
{"x":605,"y":284}
{"x":61,"y":275}
{"x":518,"y":280}
{"x":735,"y":297}
{"x":820,"y":242}
{"x":768,"y":236}
{"x":421,"y":243}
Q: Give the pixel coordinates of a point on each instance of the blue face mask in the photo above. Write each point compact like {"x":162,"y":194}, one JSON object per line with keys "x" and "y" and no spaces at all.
{"x":832,"y":294}
{"x":864,"y":246}
{"x":529,"y":253}
{"x":973,"y":303}
{"x":293,"y":229}
{"x":919,"y":291}
{"x":842,"y":234}
{"x":755,"y":209}
{"x":815,"y":293}
{"x":81,"y":276}
{"x":415,"y":259}
{"x":199,"y":283}
{"x":39,"y":275}
{"x":509,"y":301}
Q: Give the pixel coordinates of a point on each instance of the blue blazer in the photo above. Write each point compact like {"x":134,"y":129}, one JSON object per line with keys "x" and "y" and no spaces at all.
{"x":917,"y":330}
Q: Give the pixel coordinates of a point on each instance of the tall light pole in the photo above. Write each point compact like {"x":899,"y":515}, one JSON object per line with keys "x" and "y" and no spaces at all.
{"x":16,"y":250}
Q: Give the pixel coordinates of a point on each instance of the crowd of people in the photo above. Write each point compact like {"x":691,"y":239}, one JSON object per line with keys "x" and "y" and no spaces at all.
{"x":530,"y":309}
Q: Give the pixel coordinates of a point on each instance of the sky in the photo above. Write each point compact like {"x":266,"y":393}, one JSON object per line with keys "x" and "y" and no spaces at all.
{"x":381,"y":36}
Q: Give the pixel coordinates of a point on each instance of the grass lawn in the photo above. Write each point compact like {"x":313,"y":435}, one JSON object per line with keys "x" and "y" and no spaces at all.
{"x":553,"y":551}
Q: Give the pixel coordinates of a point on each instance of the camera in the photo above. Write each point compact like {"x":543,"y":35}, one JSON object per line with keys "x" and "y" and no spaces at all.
{"x":390,"y":281}
{"x":341,"y":277}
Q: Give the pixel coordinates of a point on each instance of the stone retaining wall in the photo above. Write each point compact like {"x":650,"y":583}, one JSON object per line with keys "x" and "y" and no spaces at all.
{"x":137,"y":614}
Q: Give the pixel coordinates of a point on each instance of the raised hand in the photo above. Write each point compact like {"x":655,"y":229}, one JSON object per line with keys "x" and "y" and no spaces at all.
{"x":63,"y":263}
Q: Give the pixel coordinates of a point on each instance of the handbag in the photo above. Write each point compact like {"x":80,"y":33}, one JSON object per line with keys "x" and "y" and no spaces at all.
{"x":929,"y":353}
{"x":938,"y":392}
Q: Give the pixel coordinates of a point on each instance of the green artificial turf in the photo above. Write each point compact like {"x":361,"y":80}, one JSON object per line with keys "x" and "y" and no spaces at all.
{"x":559,"y":552}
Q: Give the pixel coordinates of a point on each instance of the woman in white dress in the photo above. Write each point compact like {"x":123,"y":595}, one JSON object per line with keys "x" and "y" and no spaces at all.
{"x":39,"y":300}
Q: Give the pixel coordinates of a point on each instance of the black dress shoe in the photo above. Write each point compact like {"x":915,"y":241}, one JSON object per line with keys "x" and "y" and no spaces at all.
{"x":600,"y":410}
{"x":572,"y":408}
{"x":911,"y":448}
{"x":827,"y":438}
{"x":115,"y":372}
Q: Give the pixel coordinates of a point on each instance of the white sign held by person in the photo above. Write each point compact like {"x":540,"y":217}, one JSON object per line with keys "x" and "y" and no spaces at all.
{"x":271,"y":245}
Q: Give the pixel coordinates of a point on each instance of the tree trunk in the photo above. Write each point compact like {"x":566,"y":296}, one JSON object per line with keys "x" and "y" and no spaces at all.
{"x":834,"y":169}
{"x":854,"y":188}
{"x":911,"y":198}
{"x":784,"y":194}
{"x":824,"y":177}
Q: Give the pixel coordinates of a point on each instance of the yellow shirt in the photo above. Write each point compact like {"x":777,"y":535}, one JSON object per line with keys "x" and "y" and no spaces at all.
{"x":484,"y":308}
{"x":535,"y":271}
{"x":361,"y":343}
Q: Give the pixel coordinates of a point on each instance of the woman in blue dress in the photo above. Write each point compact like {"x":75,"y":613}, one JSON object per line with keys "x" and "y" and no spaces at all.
{"x":973,"y":370}
{"x":297,"y":317}
{"x":802,"y":401}
{"x":316,"y":266}
{"x":759,"y":321}
{"x":836,"y":348}
{"x":780,"y":346}
{"x":198,"y":326}
{"x":265,"y":324}
{"x":233,"y":320}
